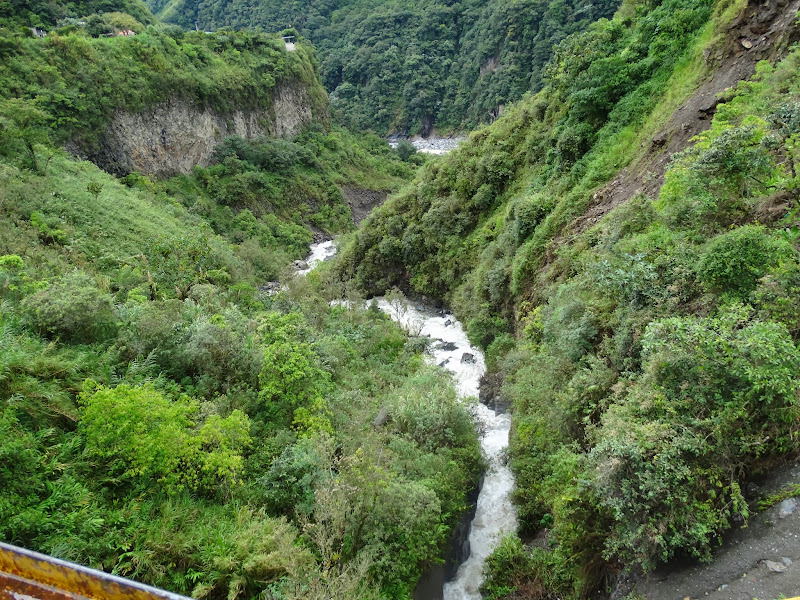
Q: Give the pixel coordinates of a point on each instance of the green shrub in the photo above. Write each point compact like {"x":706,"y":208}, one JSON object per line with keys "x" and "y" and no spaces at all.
{"x":482,"y":330}
{"x":568,"y":325}
{"x":777,"y":296}
{"x":49,"y":229}
{"x":211,"y":551}
{"x":219,"y":351}
{"x":72,"y":307}
{"x":718,"y":397}
{"x":12,"y":275}
{"x":288,"y":486}
{"x":290,"y":376}
{"x":143,"y":438}
{"x":405,"y":150}
{"x":428,"y":412}
{"x":735,"y":261}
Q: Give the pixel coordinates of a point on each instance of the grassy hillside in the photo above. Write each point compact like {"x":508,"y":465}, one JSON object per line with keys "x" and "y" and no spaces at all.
{"x":161,"y":417}
{"x":406,"y":66}
{"x":67,"y":87}
{"x":651,"y":356}
{"x":70,"y":84}
{"x":22,"y":14}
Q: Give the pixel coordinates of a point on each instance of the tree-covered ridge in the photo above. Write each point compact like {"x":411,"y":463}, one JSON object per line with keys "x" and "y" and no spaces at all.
{"x":74,"y":84}
{"x":651,"y":359}
{"x":407,"y":66}
{"x":67,"y":89}
{"x":46,"y":14}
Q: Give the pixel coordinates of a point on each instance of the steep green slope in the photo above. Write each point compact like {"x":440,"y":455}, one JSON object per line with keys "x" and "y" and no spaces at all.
{"x":160,"y":416}
{"x":79,"y":82}
{"x":72,"y":88}
{"x":648,"y":343}
{"x":407,"y":66}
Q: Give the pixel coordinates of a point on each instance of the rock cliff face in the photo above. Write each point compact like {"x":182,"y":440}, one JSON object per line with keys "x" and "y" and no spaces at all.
{"x":174,"y":136}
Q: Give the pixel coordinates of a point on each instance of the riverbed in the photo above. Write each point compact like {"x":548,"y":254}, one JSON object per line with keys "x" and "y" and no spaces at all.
{"x":432,"y":145}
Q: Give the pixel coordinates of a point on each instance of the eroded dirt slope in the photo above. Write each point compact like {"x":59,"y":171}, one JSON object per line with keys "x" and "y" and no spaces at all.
{"x":764,"y":31}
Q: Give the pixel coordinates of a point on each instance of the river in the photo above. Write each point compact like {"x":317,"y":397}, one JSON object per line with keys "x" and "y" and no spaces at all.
{"x":494,"y":515}
{"x":431,"y":145}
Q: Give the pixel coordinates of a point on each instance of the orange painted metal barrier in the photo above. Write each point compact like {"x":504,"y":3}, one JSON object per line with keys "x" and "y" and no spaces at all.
{"x":26,"y":575}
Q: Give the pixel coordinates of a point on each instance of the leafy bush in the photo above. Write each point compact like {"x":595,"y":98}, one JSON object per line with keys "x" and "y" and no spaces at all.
{"x":735,"y":261}
{"x":405,"y":150}
{"x":211,"y":551}
{"x":718,"y":397}
{"x":290,"y":376}
{"x":777,"y":296}
{"x":288,"y":486}
{"x":12,"y":275}
{"x":513,"y":569}
{"x":219,"y":351}
{"x":141,"y":436}
{"x":428,"y":412}
{"x":568,"y":324}
{"x":72,"y":307}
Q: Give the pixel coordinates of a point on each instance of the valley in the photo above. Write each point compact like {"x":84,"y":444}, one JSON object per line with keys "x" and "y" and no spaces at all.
{"x":545,"y":346}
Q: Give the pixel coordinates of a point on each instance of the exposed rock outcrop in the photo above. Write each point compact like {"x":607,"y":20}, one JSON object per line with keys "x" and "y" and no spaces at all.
{"x":174,"y":136}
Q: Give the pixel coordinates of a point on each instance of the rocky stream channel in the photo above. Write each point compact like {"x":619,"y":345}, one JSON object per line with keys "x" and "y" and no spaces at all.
{"x":460,"y":577}
{"x":432,"y":144}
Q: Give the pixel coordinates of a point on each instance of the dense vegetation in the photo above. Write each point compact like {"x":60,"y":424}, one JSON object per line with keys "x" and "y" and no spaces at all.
{"x":651,"y":358}
{"x":66,"y":88}
{"x":42,"y":14}
{"x":68,"y":85}
{"x":160,"y":416}
{"x":164,"y":420}
{"x":407,"y":66}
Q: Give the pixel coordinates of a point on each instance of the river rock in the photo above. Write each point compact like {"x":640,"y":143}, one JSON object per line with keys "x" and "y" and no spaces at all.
{"x":300,"y":265}
{"x":446,"y":346}
{"x":775,"y":567}
{"x":448,"y":323}
{"x":468,"y":358}
{"x":271,"y":287}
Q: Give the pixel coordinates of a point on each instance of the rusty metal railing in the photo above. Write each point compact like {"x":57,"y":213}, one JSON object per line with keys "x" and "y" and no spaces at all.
{"x":26,"y":575}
